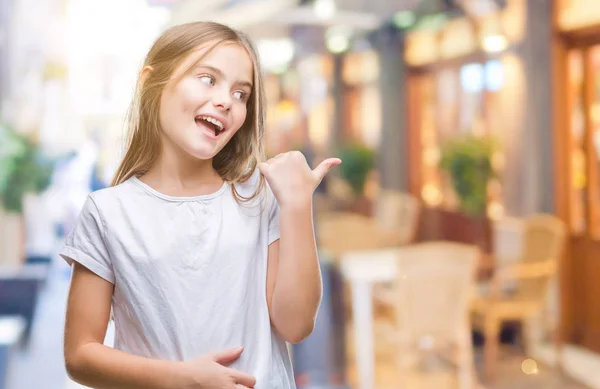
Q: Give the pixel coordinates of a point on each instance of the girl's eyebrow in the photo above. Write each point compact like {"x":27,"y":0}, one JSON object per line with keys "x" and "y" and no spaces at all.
{"x":213,"y":69}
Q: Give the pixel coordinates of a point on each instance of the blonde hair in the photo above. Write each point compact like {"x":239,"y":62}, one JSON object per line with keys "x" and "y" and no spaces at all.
{"x":238,"y":160}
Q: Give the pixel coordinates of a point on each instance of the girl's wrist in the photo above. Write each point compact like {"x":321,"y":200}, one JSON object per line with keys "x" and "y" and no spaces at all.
{"x":297,"y":203}
{"x":185,"y":376}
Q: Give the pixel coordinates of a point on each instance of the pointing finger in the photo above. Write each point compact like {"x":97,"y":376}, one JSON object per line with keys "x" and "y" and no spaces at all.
{"x":324,"y":167}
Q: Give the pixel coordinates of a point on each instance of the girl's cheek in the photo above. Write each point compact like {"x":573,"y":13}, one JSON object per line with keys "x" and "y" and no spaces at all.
{"x":195,"y":94}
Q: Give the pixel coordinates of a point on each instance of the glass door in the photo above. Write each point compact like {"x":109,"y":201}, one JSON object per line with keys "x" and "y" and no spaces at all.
{"x":584,"y":135}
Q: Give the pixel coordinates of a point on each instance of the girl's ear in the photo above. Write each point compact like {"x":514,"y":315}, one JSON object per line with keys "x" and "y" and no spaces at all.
{"x":145,"y":73}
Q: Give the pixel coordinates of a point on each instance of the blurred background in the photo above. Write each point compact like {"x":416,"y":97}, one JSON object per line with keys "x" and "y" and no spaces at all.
{"x":460,"y":238}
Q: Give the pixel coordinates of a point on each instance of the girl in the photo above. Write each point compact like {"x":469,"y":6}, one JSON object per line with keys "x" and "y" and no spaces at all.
{"x":185,"y":246}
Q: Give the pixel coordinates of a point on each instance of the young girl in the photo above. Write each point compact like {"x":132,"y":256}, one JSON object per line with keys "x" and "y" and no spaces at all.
{"x":185,"y":246}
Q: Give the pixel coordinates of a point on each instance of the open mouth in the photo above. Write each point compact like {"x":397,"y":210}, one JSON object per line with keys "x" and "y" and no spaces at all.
{"x":213,"y":124}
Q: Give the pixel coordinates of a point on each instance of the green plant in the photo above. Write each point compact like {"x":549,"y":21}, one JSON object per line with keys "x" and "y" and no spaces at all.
{"x":23,"y":168}
{"x":468,"y":162}
{"x":357,"y":161}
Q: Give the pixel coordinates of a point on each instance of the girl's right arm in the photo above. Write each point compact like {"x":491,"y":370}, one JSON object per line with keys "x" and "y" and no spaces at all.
{"x":92,"y":364}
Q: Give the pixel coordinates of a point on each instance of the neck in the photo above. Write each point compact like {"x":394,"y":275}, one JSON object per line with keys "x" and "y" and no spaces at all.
{"x":179,"y":175}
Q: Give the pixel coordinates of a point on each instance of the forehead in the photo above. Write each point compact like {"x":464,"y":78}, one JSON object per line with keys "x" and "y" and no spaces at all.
{"x":231,"y":58}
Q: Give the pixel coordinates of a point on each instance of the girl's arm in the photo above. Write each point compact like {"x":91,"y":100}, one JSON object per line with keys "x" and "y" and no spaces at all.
{"x":92,"y":364}
{"x":294,"y":285}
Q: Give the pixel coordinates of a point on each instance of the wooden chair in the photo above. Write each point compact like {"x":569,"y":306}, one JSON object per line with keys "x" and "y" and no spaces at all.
{"x":543,"y":243}
{"x":339,"y":232}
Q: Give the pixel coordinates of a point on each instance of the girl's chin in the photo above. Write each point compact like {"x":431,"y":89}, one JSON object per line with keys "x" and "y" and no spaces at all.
{"x":203,"y":152}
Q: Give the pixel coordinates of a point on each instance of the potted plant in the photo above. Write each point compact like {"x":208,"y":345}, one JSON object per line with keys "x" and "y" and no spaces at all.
{"x":468,"y":162}
{"x":24,"y":169}
{"x":358,"y":162}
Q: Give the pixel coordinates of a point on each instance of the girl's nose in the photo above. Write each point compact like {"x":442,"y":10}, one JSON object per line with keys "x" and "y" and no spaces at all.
{"x":222,"y":98}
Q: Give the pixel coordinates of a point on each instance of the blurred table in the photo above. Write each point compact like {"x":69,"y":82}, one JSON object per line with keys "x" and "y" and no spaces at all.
{"x":363,"y":269}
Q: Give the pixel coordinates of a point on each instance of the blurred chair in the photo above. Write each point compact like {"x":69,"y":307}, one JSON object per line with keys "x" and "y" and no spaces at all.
{"x":398,"y":211}
{"x":543,"y":242}
{"x":340,"y":232}
{"x":431,"y":299}
{"x":394,"y":224}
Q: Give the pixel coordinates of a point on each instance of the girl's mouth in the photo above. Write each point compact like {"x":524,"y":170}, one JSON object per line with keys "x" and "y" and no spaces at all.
{"x":214,"y":126}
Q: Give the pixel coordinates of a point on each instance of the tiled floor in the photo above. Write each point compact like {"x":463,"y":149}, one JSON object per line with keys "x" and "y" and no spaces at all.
{"x":41,"y":365}
{"x":439,"y":375}
{"x":510,"y":376}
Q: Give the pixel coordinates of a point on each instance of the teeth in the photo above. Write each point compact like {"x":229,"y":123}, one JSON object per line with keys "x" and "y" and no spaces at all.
{"x":213,"y":121}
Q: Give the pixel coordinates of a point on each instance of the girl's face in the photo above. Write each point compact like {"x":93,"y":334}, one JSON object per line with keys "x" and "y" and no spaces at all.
{"x":202,"y":110}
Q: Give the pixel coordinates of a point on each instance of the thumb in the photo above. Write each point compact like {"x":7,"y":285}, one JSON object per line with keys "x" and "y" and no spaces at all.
{"x":226,"y":356}
{"x":324,"y":167}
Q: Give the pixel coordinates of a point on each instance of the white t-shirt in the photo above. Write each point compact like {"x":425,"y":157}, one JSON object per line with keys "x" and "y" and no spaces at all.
{"x":189,"y":273}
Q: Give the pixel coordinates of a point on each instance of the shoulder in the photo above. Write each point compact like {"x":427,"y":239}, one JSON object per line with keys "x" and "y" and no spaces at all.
{"x":253,"y":186}
{"x":107,"y":198}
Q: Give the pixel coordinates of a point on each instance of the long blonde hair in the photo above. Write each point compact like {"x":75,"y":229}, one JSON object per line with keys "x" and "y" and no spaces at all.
{"x":238,"y":160}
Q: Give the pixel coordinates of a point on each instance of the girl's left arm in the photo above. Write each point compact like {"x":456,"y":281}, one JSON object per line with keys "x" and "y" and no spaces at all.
{"x":294,"y":285}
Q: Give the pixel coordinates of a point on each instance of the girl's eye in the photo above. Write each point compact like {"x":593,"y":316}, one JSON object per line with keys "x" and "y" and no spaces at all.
{"x":208,"y":80}
{"x":239,"y":95}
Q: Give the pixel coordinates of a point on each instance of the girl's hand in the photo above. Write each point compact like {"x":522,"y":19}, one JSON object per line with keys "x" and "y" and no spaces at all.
{"x":291,"y":179}
{"x":210,"y":372}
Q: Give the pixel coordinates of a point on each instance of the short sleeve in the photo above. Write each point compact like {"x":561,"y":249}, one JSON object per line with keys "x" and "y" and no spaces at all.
{"x":86,"y":243}
{"x":273,"y":218}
